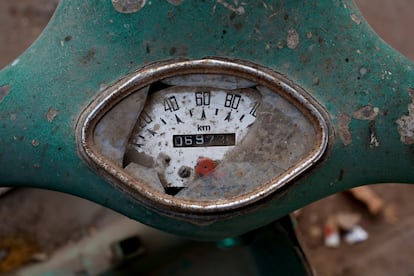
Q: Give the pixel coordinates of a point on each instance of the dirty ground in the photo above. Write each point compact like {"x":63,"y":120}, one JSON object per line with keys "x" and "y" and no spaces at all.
{"x":42,"y":221}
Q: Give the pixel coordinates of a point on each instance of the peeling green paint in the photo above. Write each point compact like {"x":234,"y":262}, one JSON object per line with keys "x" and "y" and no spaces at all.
{"x":4,"y":91}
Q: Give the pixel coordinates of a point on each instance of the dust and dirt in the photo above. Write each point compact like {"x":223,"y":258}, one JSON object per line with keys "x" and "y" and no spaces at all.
{"x":388,"y":251}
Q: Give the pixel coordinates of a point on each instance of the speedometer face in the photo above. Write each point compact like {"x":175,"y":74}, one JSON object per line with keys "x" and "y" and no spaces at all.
{"x":184,"y":132}
{"x":204,"y":136}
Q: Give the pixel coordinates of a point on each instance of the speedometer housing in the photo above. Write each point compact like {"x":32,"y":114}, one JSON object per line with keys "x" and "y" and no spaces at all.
{"x":203,"y":137}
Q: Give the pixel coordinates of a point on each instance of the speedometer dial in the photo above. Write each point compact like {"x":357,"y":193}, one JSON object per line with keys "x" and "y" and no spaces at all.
{"x":203,"y":137}
{"x":184,"y":132}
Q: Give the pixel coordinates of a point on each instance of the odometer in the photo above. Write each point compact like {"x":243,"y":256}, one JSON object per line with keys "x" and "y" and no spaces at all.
{"x":204,"y":140}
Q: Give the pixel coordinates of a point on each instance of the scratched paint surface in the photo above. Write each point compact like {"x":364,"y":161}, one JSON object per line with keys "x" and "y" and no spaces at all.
{"x":324,"y":46}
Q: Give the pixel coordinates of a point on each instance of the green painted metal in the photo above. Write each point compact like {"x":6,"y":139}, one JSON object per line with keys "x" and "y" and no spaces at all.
{"x":325,"y":46}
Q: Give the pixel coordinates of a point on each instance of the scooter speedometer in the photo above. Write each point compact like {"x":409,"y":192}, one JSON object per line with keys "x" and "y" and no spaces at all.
{"x":203,"y":136}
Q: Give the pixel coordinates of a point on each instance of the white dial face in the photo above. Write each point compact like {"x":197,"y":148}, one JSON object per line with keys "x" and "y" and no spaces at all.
{"x":184,"y":131}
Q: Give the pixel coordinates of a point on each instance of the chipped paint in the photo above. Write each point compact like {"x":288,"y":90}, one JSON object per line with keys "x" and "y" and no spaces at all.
{"x":128,"y":6}
{"x":4,"y":91}
{"x":51,"y":114}
{"x":386,"y":75}
{"x":363,"y":71}
{"x":373,"y":138}
{"x":15,"y":62}
{"x":35,"y":143}
{"x":175,"y":2}
{"x":102,"y":87}
{"x":238,"y":9}
{"x":406,"y":123}
{"x":356,"y":18}
{"x":343,"y":128}
{"x":292,"y":39}
{"x":367,"y":112}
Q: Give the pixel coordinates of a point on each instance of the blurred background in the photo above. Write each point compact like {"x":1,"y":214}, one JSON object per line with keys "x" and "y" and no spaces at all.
{"x":35,"y":223}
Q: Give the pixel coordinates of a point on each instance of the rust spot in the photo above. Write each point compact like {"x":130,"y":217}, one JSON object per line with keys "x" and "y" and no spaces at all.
{"x":89,"y":56}
{"x":343,"y":128}
{"x":4,"y":91}
{"x":15,"y":252}
{"x":304,"y":58}
{"x":321,"y":40}
{"x":238,"y":26}
{"x":367,"y":112}
{"x":173,"y":50}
